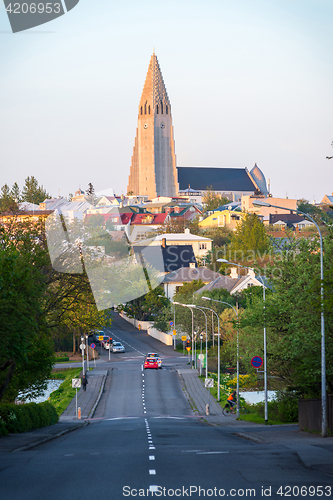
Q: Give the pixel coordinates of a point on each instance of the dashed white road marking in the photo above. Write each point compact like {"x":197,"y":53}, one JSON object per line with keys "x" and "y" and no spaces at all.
{"x":210,"y":452}
{"x":152,"y":447}
{"x":152,"y":472}
{"x":151,"y":457}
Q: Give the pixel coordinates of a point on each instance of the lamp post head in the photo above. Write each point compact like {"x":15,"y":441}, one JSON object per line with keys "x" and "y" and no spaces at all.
{"x":206,"y":298}
{"x":224,"y":261}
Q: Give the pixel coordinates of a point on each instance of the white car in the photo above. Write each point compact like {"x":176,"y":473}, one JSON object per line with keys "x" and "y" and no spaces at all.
{"x":155,"y":355}
{"x":117,"y":347}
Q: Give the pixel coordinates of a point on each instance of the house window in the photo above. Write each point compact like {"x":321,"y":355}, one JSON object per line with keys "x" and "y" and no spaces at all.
{"x":202,"y":246}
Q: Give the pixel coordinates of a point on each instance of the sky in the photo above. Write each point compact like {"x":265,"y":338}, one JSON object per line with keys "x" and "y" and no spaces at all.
{"x":250,"y":81}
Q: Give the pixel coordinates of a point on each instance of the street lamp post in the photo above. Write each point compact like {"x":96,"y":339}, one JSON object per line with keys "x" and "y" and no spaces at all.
{"x":260,"y":203}
{"x":226,"y":303}
{"x":225,"y":261}
{"x":191,"y":307}
{"x":200,"y":308}
{"x":218,"y":347}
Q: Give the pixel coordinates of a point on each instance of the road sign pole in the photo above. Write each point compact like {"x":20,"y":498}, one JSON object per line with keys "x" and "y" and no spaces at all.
{"x":87,"y":353}
{"x":76,"y":401}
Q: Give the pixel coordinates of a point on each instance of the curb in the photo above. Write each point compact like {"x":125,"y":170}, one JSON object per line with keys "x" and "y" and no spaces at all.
{"x":190,"y":400}
{"x":49,"y":438}
{"x":92,"y":411}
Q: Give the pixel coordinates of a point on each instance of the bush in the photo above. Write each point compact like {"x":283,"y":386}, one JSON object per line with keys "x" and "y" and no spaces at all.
{"x":25,"y":417}
{"x":284,"y":408}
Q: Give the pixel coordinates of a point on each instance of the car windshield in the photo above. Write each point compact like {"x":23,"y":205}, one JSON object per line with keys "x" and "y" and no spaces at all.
{"x":116,"y":344}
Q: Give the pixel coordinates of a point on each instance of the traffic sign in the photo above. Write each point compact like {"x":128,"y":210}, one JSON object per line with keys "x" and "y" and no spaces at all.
{"x":101,"y":337}
{"x":174,"y":332}
{"x":188,"y":348}
{"x":76,"y":383}
{"x":82,"y":347}
{"x":256,"y":361}
{"x":171,"y":323}
{"x":92,"y":346}
{"x":209,"y":382}
{"x":184,"y":338}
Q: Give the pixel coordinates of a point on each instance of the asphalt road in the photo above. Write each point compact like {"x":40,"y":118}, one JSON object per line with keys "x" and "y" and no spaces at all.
{"x":144,"y":437}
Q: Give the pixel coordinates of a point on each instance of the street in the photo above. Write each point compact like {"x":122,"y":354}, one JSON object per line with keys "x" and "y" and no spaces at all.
{"x":144,"y":441}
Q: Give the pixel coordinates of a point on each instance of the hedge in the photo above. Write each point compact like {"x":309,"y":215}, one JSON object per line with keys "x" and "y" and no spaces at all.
{"x":25,"y":417}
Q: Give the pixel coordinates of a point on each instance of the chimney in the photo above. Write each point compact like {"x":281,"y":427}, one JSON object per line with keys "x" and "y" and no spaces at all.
{"x":234,"y":273}
{"x":163,"y":242}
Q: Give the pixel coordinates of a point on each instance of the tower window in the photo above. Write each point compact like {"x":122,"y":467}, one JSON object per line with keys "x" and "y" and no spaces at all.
{"x":149,"y":109}
{"x":166,"y":109}
{"x":145,"y":107}
{"x":157,"y":109}
{"x":141,"y":110}
{"x":161,"y":108}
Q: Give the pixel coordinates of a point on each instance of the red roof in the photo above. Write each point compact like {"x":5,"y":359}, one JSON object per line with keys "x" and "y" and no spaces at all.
{"x":154,"y":219}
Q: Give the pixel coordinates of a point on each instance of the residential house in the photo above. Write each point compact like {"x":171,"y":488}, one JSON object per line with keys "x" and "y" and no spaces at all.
{"x":176,"y":279}
{"x":224,"y":218}
{"x":200,"y":244}
{"x":233,"y":283}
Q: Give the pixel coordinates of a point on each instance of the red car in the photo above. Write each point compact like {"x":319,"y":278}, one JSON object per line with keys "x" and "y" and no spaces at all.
{"x":151,"y":363}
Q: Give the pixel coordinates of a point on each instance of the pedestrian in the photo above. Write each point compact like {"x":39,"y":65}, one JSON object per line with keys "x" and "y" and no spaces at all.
{"x":84,"y":382}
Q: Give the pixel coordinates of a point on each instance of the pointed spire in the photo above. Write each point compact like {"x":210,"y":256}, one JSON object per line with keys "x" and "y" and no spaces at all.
{"x":154,"y":92}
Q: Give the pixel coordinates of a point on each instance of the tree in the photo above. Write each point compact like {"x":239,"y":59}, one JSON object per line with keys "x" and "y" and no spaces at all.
{"x":15,"y":192}
{"x":146,"y":307}
{"x":26,"y":349}
{"x":7,"y":201}
{"x":212,"y":200}
{"x":293,"y":308}
{"x":39,"y":306}
{"x":32,"y":192}
{"x":249,"y":242}
{"x":90,"y":194}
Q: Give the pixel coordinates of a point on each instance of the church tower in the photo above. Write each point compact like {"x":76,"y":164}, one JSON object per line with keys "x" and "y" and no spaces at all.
{"x":153,"y":170}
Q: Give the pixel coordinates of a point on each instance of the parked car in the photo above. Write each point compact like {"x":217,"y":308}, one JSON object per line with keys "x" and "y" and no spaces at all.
{"x":117,"y":347}
{"x":150,"y":363}
{"x":106,"y":339}
{"x":97,"y":334}
{"x":155,"y":355}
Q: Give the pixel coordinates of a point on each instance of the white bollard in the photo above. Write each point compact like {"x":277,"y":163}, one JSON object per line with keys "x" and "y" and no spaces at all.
{"x":207,"y":409}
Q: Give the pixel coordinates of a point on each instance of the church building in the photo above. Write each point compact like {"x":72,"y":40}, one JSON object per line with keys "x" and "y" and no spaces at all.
{"x":153,"y":170}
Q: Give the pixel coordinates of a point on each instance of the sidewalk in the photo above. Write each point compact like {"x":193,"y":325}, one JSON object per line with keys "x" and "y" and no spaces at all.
{"x":313,"y":451}
{"x":86,"y":400}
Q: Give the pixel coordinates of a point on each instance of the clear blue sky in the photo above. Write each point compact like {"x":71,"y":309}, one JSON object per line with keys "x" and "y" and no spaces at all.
{"x":249,"y":81}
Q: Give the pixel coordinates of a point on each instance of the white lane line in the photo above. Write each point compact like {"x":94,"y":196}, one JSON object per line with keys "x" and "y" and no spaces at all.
{"x":150,"y":441}
{"x":152,"y":447}
{"x":190,"y":451}
{"x":142,"y":368}
{"x":175,"y":418}
{"x":120,"y":418}
{"x":151,"y":457}
{"x":152,"y":472}
{"x":210,"y":452}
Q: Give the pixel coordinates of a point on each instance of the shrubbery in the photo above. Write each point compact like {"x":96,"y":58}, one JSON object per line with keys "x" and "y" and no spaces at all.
{"x":284,"y":408}
{"x":25,"y":417}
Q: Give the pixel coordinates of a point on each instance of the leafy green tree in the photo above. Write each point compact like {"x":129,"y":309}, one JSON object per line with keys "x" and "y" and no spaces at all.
{"x":32,"y":192}
{"x":146,"y":307}
{"x":26,"y":349}
{"x":212,"y":200}
{"x":7,"y":201}
{"x":293,"y":317}
{"x":15,"y":192}
{"x":249,"y":242}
